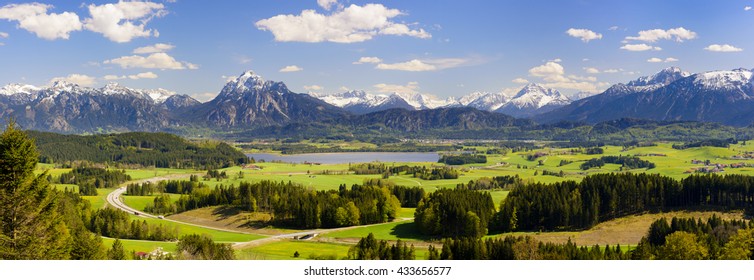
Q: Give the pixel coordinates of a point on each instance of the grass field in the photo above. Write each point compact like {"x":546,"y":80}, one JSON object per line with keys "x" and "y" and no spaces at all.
{"x":624,"y":231}
{"x":283,"y":250}
{"x":217,"y":235}
{"x":130,"y":245}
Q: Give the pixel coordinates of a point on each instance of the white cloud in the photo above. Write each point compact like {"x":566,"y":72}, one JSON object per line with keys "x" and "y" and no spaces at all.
{"x":156,"y":48}
{"x":414,"y":65}
{"x":328,"y":4}
{"x":722,"y":48}
{"x":368,"y":59}
{"x":613,"y":28}
{"x":613,"y":70}
{"x":591,"y":70}
{"x":313,"y":88}
{"x":350,"y":25}
{"x":654,"y":60}
{"x":639,"y":47}
{"x":549,"y":69}
{"x":747,"y":8}
{"x":79,"y":79}
{"x":585,"y":35}
{"x":3,"y":35}
{"x":419,"y":65}
{"x":554,"y":76}
{"x":671,"y":59}
{"x":144,"y":75}
{"x":34,"y":18}
{"x":153,"y":61}
{"x":291,"y":68}
{"x":678,"y":34}
{"x":582,"y":78}
{"x":117,"y":21}
{"x":520,"y":81}
{"x":556,"y":60}
{"x":411,"y":87}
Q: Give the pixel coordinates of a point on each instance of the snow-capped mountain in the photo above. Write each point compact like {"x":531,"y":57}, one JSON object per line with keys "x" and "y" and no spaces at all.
{"x":717,"y":96}
{"x":68,"y":107}
{"x":361,"y":102}
{"x":533,"y":99}
{"x":249,"y":101}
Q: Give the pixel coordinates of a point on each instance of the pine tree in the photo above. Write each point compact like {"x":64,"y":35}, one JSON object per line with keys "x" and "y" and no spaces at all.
{"x":116,"y":252}
{"x":31,"y":228}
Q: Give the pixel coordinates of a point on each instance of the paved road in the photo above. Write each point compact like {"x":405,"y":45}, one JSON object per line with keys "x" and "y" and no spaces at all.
{"x":114,"y":199}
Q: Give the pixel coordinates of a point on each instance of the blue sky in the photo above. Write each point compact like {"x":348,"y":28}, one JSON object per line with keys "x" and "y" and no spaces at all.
{"x":440,"y":47}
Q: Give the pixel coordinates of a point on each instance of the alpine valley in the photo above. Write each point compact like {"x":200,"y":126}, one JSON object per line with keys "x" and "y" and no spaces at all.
{"x":250,"y":105}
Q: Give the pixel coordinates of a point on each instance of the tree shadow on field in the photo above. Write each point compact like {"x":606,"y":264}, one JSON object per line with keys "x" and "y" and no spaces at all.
{"x":407,"y":231}
{"x":225,"y":212}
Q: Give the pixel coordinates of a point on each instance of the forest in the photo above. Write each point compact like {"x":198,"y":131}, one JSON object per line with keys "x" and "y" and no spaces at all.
{"x":135,"y":149}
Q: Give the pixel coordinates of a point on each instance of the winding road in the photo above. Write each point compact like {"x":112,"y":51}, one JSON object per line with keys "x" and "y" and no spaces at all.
{"x":114,"y":199}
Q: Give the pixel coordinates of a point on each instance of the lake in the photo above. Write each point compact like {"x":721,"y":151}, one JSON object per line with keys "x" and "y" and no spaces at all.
{"x":335,"y":158}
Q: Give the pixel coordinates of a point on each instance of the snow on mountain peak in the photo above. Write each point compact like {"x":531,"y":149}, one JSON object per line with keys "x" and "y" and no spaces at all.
{"x":662,"y":78}
{"x":535,"y":96}
{"x":250,"y":81}
{"x":12,"y":89}
{"x":724,"y":79}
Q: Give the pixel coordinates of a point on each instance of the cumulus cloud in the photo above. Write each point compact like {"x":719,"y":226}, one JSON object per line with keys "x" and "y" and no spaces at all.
{"x":520,"y":81}
{"x":160,"y":60}
{"x":313,"y":88}
{"x":79,"y":79}
{"x":654,"y":60}
{"x":368,"y":59}
{"x":328,"y":4}
{"x":33,"y":17}
{"x":613,"y":28}
{"x":156,"y":48}
{"x":3,"y":35}
{"x":613,"y":70}
{"x":723,"y":48}
{"x":585,"y":35}
{"x":747,"y":8}
{"x":291,"y":68}
{"x":678,"y":34}
{"x":549,"y":69}
{"x":639,"y":47}
{"x":554,"y":76}
{"x":411,"y":87}
{"x":350,"y":25}
{"x":123,"y":21}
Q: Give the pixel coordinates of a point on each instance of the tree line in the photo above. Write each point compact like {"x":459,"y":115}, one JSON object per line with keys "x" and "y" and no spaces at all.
{"x":461,"y":159}
{"x":570,"y":205}
{"x":136,"y":148}
{"x":293,"y":205}
{"x":89,"y":179}
{"x":625,"y":161}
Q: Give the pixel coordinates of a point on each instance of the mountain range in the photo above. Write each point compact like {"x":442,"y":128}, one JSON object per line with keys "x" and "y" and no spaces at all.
{"x":251,"y":102}
{"x":531,"y":100}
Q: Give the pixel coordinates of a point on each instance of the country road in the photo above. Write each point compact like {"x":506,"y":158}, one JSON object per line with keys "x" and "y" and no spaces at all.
{"x":113,"y":199}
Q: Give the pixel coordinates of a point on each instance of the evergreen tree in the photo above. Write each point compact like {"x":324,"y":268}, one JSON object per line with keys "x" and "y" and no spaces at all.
{"x":116,"y":252}
{"x":31,"y":228}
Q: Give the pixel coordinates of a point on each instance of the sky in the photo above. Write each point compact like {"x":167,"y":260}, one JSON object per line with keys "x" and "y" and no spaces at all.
{"x":439,"y":47}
